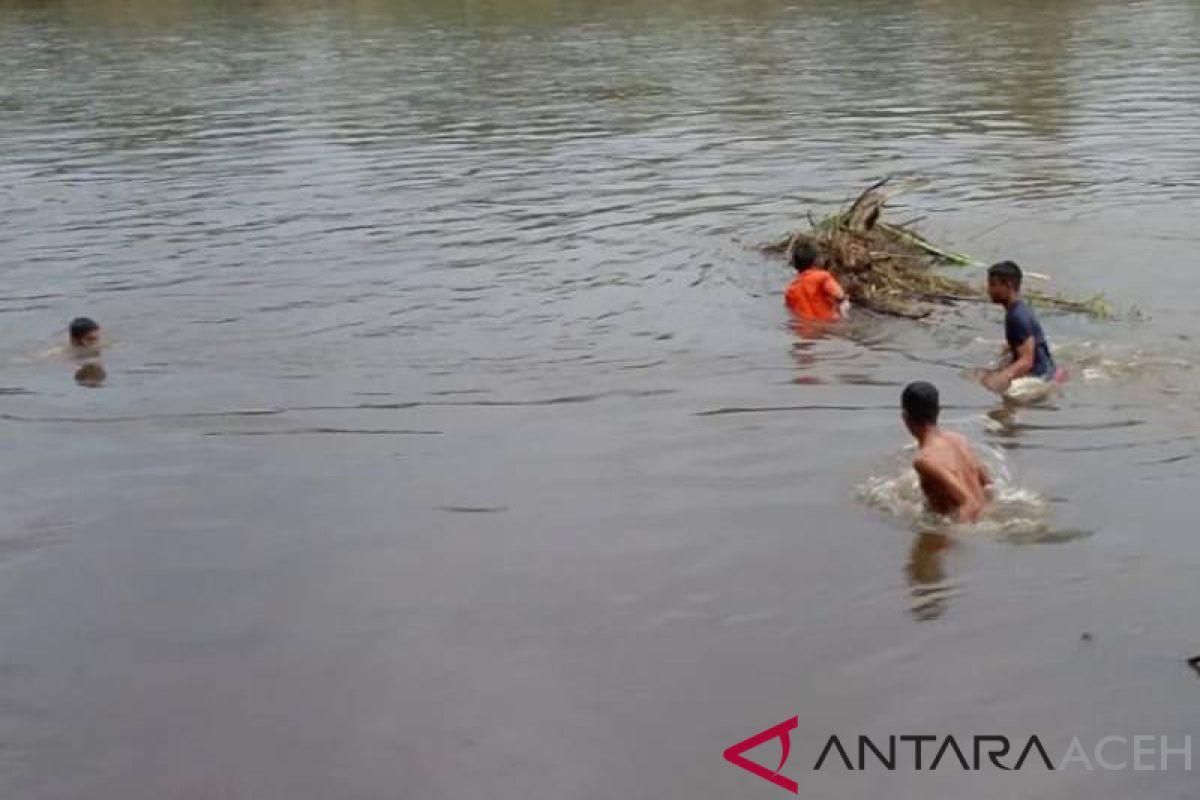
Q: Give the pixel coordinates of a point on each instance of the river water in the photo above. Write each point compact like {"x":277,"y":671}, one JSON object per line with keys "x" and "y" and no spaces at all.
{"x":455,"y":443}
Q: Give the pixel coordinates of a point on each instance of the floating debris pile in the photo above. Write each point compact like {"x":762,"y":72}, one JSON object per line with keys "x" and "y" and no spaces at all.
{"x":892,"y":269}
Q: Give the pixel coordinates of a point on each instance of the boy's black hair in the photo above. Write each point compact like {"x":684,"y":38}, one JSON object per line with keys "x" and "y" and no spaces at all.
{"x":81,"y":327}
{"x":804,"y":256}
{"x":1006,"y":271}
{"x":920,"y":401}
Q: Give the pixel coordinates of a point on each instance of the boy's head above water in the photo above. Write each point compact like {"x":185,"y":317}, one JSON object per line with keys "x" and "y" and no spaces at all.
{"x":805,"y":256}
{"x":921,"y":406}
{"x":84,"y":332}
{"x":1004,"y":282}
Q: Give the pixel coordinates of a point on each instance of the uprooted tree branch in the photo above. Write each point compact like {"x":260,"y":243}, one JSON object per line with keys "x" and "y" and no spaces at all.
{"x":891,"y":269}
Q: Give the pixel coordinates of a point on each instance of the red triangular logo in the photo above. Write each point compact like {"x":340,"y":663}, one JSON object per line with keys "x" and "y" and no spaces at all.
{"x":782,"y":732}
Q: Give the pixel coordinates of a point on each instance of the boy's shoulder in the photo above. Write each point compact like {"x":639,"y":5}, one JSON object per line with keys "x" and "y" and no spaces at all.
{"x":942,"y":442}
{"x":1021,"y":310}
{"x":931,"y":462}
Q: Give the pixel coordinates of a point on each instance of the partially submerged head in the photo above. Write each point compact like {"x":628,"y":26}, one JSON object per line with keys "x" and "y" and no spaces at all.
{"x":85,"y":333}
{"x":1004,"y":282}
{"x":805,"y":256}
{"x":921,"y":406}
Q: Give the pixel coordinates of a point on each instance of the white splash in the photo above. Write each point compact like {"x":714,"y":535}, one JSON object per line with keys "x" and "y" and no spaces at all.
{"x":1015,"y":513}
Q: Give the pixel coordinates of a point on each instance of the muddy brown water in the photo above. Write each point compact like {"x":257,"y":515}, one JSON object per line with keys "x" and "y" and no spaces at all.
{"x":455,"y":443}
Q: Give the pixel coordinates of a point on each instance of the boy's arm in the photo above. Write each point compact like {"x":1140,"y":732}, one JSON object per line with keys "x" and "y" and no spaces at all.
{"x":985,"y":475}
{"x":1023,"y":364}
{"x":999,"y":380}
{"x":835,"y":289}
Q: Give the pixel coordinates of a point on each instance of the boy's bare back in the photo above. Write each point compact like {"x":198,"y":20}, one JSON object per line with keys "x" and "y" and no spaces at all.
{"x":952,"y":477}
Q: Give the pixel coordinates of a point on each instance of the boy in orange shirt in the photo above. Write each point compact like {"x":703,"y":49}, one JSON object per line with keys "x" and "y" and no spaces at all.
{"x":815,"y":293}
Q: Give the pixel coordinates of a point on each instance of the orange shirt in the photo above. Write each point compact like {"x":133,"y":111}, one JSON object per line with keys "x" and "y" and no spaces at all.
{"x":813,"y":295}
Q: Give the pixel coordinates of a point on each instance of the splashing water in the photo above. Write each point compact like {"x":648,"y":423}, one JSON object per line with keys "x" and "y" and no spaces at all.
{"x":1090,"y":363}
{"x":1015,"y":514}
{"x":1096,"y":362}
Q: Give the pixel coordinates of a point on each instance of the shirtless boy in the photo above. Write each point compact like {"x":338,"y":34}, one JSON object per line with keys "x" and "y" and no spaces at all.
{"x":953,"y":479}
{"x":84,"y":336}
{"x":83,"y":342}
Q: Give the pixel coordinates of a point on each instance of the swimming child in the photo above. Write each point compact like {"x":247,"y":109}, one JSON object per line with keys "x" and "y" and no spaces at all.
{"x":814,"y":293}
{"x":83,"y":341}
{"x":955,"y":482}
{"x":1031,"y":370}
{"x":84,"y":336}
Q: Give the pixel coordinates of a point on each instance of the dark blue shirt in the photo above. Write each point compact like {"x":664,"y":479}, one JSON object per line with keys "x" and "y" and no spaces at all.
{"x":1020,"y":323}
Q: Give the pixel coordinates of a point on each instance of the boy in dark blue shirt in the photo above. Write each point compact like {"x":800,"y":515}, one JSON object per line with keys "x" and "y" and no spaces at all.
{"x":1030,"y":352}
